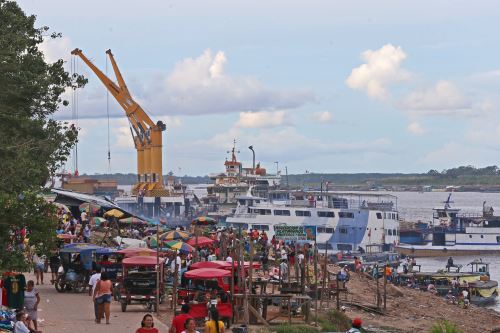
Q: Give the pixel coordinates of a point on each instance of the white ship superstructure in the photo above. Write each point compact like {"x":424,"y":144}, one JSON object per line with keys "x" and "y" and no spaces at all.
{"x":342,"y":221}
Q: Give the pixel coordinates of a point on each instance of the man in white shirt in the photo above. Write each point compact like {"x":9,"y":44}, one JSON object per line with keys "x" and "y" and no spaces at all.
{"x":229,"y":258}
{"x":92,"y":283}
{"x":173,"y":263}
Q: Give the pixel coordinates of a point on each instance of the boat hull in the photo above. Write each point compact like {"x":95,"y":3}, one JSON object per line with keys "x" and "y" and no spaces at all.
{"x":443,"y":251}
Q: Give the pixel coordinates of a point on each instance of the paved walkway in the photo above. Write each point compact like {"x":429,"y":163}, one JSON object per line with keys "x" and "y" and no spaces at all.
{"x":71,"y":312}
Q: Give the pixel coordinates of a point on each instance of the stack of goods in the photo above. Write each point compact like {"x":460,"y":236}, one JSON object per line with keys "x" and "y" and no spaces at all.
{"x":7,"y":318}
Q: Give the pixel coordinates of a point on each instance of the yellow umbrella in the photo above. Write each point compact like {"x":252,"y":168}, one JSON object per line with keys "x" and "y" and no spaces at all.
{"x":114,"y":213}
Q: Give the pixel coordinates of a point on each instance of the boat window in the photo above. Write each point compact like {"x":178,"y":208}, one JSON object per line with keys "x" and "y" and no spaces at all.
{"x":330,"y":230}
{"x":321,"y":230}
{"x":470,"y":236}
{"x":326,"y":214}
{"x":281,"y":212}
{"x":346,"y":215}
{"x":395,"y":232}
{"x":302,"y":213}
{"x":379,"y":216}
{"x":260,"y":226}
{"x":343,"y":230}
{"x":498,"y":239}
{"x":482,"y":236}
{"x":323,"y":246}
{"x":389,"y":232}
{"x":442,"y":214}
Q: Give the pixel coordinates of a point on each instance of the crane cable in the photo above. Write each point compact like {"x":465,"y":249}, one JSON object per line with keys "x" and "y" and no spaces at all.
{"x":74,"y":115}
{"x":107,"y":113}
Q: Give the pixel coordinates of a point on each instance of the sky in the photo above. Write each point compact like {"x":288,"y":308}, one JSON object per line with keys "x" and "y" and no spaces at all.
{"x":317,"y":86}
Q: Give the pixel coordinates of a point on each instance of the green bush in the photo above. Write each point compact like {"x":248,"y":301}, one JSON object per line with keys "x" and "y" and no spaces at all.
{"x":445,"y":327}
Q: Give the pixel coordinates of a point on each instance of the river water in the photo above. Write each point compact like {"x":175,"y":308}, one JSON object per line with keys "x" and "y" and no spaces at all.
{"x":414,"y":206}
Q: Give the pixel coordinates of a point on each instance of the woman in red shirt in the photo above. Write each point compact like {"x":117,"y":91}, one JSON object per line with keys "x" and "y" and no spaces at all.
{"x":147,"y":325}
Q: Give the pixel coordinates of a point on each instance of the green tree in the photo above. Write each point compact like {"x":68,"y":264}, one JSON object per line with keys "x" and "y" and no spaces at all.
{"x":32,"y":144}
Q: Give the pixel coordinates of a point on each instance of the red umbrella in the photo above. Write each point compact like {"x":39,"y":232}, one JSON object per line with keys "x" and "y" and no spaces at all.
{"x":202,"y":241}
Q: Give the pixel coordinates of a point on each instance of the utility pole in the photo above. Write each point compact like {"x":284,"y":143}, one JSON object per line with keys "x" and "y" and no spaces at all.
{"x":286,"y":172}
{"x":277,"y":167}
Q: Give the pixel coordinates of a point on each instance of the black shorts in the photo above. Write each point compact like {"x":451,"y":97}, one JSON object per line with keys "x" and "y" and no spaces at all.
{"x":54,"y":268}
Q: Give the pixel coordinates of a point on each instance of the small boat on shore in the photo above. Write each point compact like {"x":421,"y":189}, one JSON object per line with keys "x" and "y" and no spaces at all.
{"x":481,"y":290}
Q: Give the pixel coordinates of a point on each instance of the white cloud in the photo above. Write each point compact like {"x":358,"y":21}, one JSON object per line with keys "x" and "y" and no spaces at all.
{"x":416,"y":128}
{"x":381,"y":68}
{"x":444,"y":98}
{"x":195,"y":86}
{"x":322,"y":116}
{"x":56,"y":48}
{"x":261,"y":119}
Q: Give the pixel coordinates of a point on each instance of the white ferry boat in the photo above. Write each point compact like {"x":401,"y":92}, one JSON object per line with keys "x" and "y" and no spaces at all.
{"x":338,"y":221}
{"x":453,"y":233}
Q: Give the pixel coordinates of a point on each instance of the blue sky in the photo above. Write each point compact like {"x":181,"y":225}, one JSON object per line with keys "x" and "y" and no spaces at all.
{"x":323,"y":86}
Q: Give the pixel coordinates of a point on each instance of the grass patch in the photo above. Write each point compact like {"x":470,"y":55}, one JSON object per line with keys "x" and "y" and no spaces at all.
{"x":333,"y":321}
{"x":445,"y":327}
{"x":294,"y":329}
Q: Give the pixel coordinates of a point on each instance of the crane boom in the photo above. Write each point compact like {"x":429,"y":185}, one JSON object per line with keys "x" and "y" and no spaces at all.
{"x":146,"y":134}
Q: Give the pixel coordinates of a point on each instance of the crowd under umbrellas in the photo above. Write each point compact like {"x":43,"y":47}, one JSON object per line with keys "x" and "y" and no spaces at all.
{"x":202,"y":242}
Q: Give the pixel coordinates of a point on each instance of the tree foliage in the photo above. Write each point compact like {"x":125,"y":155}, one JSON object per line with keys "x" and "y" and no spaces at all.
{"x":32,"y":144}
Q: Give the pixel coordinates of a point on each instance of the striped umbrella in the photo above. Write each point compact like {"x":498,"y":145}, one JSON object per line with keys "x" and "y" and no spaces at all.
{"x":174,"y":235}
{"x":179,"y":246}
{"x":97,"y":220}
{"x":203,"y":220}
{"x":132,"y":220}
{"x":89,"y":207}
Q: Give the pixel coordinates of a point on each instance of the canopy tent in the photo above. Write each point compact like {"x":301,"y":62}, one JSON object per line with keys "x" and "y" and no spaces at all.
{"x":207,"y":273}
{"x":142,"y":261}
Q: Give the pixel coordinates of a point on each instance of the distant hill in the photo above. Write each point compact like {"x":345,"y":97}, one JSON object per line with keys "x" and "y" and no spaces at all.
{"x":460,"y":176}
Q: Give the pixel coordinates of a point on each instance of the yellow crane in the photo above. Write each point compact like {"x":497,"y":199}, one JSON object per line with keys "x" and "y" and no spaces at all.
{"x":146,"y":134}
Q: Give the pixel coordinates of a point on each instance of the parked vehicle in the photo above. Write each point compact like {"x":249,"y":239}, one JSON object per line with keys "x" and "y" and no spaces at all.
{"x":140,"y":282}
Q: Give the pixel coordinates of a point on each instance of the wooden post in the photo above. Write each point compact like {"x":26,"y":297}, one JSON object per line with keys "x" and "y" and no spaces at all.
{"x":250,"y":269}
{"x":378,"y":291}
{"x":385,"y":289}
{"x":157,"y":267}
{"x":232,"y":287}
{"x":338,"y":293}
{"x":242,"y":273}
{"x":176,"y":274}
{"x":317,"y":285}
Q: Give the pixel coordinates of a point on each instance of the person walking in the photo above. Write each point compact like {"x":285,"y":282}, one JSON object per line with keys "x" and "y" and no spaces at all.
{"x":92,"y":284}
{"x":54,"y":263}
{"x":214,"y":325}
{"x":39,"y":267}
{"x":190,"y":326}
{"x":103,"y":296}
{"x":179,"y":321}
{"x":31,"y":301}
{"x":147,"y":325}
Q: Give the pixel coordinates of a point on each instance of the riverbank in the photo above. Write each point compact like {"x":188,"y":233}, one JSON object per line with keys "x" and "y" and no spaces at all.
{"x":410,"y":310}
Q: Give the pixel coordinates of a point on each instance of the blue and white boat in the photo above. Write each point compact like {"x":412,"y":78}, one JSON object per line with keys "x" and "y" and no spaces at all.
{"x":338,"y":221}
{"x":453,"y":233}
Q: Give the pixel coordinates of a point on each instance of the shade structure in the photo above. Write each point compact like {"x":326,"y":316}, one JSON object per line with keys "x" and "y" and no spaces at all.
{"x":142,"y":261}
{"x":136,"y":251}
{"x":79,"y":247}
{"x":203,"y":220}
{"x":211,"y":264}
{"x":114,"y":213}
{"x":89,"y":207}
{"x":98,"y":220}
{"x":132,"y":220}
{"x":202,"y":241}
{"x":179,"y":246}
{"x":207,"y":273}
{"x":174,"y":235}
